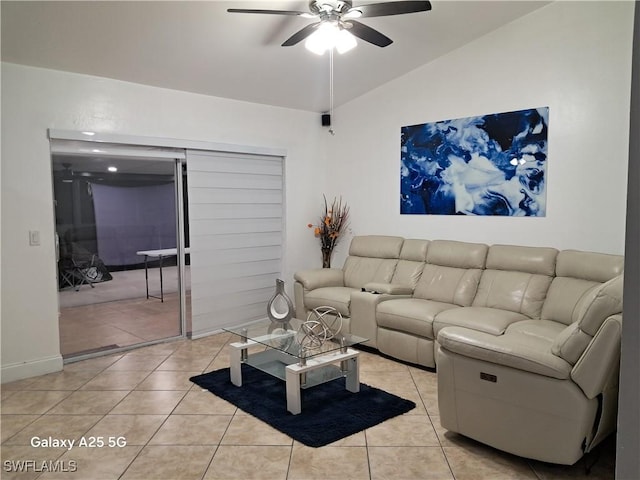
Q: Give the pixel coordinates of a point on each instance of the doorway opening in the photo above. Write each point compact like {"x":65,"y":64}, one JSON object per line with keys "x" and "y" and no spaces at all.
{"x":120,"y":231}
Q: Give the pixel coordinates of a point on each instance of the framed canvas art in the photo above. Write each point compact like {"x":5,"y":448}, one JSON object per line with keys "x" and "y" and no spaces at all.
{"x":492,"y":164}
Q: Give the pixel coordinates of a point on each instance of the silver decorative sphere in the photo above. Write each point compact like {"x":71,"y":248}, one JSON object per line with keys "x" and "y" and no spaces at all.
{"x":322,"y":324}
{"x":312,"y":334}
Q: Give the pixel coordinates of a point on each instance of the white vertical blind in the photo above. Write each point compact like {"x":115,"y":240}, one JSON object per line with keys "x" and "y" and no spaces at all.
{"x":236,"y":233}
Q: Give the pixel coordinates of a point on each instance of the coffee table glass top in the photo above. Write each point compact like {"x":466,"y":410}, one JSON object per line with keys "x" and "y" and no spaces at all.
{"x":294,"y":338}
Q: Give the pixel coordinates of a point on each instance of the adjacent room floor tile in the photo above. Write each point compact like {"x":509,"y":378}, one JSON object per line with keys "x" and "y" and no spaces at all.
{"x":116,"y":380}
{"x":170,"y":462}
{"x":12,"y":424}
{"x":67,"y":427}
{"x":328,"y":463}
{"x":167,"y":380}
{"x":135,"y":429}
{"x":137,"y":362}
{"x":203,"y":401}
{"x":186,"y":364}
{"x":403,"y":431}
{"x":484,"y":463}
{"x":89,"y":402}
{"x":27,"y":402}
{"x":61,"y":381}
{"x":149,"y":402}
{"x":96,"y":463}
{"x":409,"y":463}
{"x":249,"y":463}
{"x":192,"y":430}
{"x":248,"y":430}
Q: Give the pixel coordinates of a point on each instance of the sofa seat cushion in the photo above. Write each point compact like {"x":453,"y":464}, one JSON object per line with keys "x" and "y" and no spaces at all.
{"x":336,"y":297}
{"x":490,"y":320}
{"x":410,"y":315}
{"x":516,"y":349}
{"x":388,"y":288}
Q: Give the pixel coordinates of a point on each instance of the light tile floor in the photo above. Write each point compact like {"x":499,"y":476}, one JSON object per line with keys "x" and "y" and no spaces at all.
{"x":117,"y":313}
{"x":122,"y":323}
{"x":174,"y":430}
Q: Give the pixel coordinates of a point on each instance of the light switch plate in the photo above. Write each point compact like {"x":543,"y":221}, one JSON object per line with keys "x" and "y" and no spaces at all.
{"x":34,"y":237}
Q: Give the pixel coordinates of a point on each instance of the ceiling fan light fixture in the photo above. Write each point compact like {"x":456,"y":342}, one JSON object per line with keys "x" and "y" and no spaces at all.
{"x":345,"y":41}
{"x":322,"y":39}
{"x":330,"y":35}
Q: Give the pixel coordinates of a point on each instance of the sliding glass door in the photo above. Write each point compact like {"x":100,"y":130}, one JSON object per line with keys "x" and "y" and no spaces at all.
{"x":131,"y":217}
{"x":119,"y":230}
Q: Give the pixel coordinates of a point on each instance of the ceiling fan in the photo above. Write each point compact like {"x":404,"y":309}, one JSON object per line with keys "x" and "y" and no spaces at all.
{"x":340,"y":15}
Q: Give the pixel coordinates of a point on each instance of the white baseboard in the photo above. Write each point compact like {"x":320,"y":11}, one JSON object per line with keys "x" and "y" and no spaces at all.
{"x":203,"y":333}
{"x":41,"y":366}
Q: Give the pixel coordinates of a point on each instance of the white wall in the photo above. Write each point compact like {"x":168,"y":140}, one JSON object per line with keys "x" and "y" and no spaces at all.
{"x":34,"y":100}
{"x":575,"y":58}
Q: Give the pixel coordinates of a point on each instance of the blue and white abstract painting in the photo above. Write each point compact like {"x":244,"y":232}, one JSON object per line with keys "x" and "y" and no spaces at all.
{"x":492,"y":164}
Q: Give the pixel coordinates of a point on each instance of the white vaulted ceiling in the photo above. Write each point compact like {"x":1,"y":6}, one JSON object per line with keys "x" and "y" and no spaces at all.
{"x":199,"y":47}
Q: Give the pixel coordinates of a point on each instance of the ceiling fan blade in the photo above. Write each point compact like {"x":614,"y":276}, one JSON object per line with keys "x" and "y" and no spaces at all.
{"x":368,"y":34}
{"x":269,"y":12}
{"x":390,"y":8}
{"x":301,"y":34}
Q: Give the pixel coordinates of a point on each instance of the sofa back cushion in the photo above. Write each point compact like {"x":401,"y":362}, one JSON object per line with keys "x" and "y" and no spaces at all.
{"x":576,"y":274}
{"x":516,"y":279}
{"x":452,"y":272}
{"x":598,"y":304}
{"x":411,"y":263}
{"x":449,"y":253}
{"x":372,"y":258}
{"x":597,"y":267}
{"x":376,"y":246}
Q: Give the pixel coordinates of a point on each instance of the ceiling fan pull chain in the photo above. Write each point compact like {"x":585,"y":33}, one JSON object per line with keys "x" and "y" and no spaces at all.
{"x":331,"y":131}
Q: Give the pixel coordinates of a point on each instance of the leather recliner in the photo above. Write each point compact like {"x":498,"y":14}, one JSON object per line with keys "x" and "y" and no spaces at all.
{"x":545,"y":388}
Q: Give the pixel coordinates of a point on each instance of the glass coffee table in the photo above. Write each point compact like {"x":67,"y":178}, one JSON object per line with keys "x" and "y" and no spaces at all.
{"x":300,"y":354}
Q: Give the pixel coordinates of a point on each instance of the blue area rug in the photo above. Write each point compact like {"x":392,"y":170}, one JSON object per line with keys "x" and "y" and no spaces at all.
{"x":329,"y":412}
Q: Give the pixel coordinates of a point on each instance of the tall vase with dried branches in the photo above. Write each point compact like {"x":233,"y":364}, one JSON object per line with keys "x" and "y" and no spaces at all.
{"x":333,"y":222}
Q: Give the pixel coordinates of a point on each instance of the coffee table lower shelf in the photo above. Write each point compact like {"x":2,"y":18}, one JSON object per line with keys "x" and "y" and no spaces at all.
{"x":315,"y":370}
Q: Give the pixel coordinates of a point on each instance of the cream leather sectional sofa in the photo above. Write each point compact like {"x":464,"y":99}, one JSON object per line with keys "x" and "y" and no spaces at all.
{"x":526,"y":339}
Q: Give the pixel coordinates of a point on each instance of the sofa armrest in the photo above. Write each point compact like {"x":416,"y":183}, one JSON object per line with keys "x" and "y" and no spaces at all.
{"x":388,"y":288}
{"x":520,"y":353}
{"x":363,"y":314}
{"x":593,"y":369}
{"x":320,"y":277}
